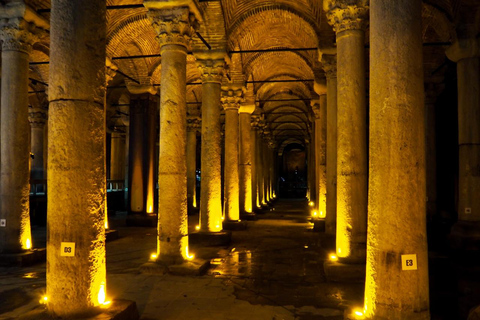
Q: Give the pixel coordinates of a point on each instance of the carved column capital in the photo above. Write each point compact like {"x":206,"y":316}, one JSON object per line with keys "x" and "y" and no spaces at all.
{"x":18,"y":34}
{"x":173,"y":26}
{"x":231,"y":99}
{"x":193,"y":123}
{"x":37,"y":117}
{"x":211,"y":70}
{"x":463,"y":49}
{"x":329,"y":65}
{"x":345,"y":15}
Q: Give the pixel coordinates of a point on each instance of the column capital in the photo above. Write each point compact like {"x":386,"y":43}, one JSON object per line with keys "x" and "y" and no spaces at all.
{"x":110,"y":70}
{"x":173,"y":25}
{"x":329,"y":65}
{"x":193,"y":123}
{"x":231,"y":99}
{"x":18,"y":35}
{"x":141,"y":88}
{"x":211,"y":70}
{"x":345,"y":15}
{"x":463,"y":49}
{"x":37,"y":117}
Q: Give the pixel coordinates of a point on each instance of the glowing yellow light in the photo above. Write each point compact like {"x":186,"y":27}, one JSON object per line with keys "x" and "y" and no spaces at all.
{"x":333,"y":257}
{"x":339,"y":250}
{"x":43,"y":300}
{"x":322,"y":215}
{"x":101,"y":294}
{"x":314,"y":213}
{"x":150,"y":209}
{"x":223,"y":218}
{"x":311,"y":203}
{"x":218,"y":226}
{"x":106,"y":224}
{"x":197,"y":227}
{"x":28,"y":244}
{"x":153,"y":256}
{"x":358,"y":314}
{"x":188,"y":255}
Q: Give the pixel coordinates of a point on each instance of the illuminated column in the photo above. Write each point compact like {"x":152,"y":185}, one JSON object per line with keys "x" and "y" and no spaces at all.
{"x":309,"y":153}
{"x":320,"y":110}
{"x":349,"y":23}
{"x":117,"y":159}
{"x":271,"y":168}
{"x":253,"y":138}
{"x":231,"y":103}
{"x":465,"y":233}
{"x":396,"y":284}
{"x":76,"y":271}
{"x":211,"y":70}
{"x":174,"y":31}
{"x":259,"y":165}
{"x":37,"y":119}
{"x":18,"y":36}
{"x":193,"y":124}
{"x":265,"y":171}
{"x":329,"y":63}
{"x":245,"y":160}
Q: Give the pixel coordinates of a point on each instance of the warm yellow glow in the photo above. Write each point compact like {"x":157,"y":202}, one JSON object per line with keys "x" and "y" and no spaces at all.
{"x":25,"y":232}
{"x":218,"y":227}
{"x":223,"y":218}
{"x":153,"y":256}
{"x":106,"y":224}
{"x":358,"y":314}
{"x":314,"y":214}
{"x":150,"y":209}
{"x":197,"y":227}
{"x":194,"y":204}
{"x":322,"y":214}
{"x":188,"y":255}
{"x":333,"y":257}
{"x":339,"y":250}
{"x":43,"y":300}
{"x":28,"y":244}
{"x":311,"y":203}
{"x":101,"y":294}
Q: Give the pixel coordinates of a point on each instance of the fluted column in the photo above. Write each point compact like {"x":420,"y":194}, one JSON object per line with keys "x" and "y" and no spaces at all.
{"x":211,"y":185}
{"x":349,"y":22}
{"x":174,"y":30}
{"x":17,"y":37}
{"x":245,"y":158}
{"x":231,"y":100}
{"x":329,"y":63}
{"x":37,"y":118}
{"x":193,"y":124}
{"x":396,"y":285}
{"x":465,"y":233}
{"x":320,"y":110}
{"x":76,"y":269}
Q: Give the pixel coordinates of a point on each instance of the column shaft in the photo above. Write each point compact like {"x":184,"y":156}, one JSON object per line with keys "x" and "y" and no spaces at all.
{"x":136,"y":156}
{"x":352,"y":146}
{"x":245,"y":163}
{"x":232,"y":208}
{"x":192,"y":168}
{"x":255,"y":198}
{"x":117,"y":158}
{"x":76,"y":172}
{"x":320,"y":147}
{"x":260,"y":189}
{"x":396,"y":222}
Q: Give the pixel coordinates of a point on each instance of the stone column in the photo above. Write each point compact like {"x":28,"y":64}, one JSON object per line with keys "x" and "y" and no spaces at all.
{"x":271,"y":168}
{"x":76,"y":270}
{"x":312,"y":164}
{"x":349,"y":22}
{"x":211,"y":184}
{"x":17,"y":37}
{"x":245,"y":159}
{"x":259,"y":166}
{"x":265,"y":171}
{"x":37,"y":118}
{"x":396,"y":285}
{"x":329,"y":63}
{"x":231,"y":100}
{"x":465,"y":233}
{"x":117,"y":158}
{"x":320,"y":110}
{"x":174,"y":31}
{"x":193,"y":124}
{"x":253,"y":138}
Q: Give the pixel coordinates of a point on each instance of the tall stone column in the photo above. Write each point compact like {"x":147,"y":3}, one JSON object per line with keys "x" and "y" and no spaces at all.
{"x":312,"y":172}
{"x":211,"y":68}
{"x":245,"y":159}
{"x":117,"y":159}
{"x":271,"y":168}
{"x":193,"y":124}
{"x":329,"y":63}
{"x":174,"y":31}
{"x":18,"y":36}
{"x":266,"y":168}
{"x":465,"y":233}
{"x":37,"y":118}
{"x":76,"y":270}
{"x":349,"y":22}
{"x":259,"y":165}
{"x":396,"y":285}
{"x":231,"y":100}
{"x":253,"y":137}
{"x":320,"y":110}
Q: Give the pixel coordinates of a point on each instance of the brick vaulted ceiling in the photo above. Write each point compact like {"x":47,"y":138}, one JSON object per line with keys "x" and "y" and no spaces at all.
{"x":262,"y":26}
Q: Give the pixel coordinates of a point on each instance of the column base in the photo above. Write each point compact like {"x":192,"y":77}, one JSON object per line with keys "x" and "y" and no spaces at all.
{"x":234,"y":225}
{"x":142,"y":220}
{"x":111,"y":235}
{"x":318,"y":225}
{"x":23,"y":259}
{"x":195,"y":267}
{"x":465,"y":236}
{"x":248,"y":216}
{"x":336,"y":271}
{"x":116,"y":310}
{"x":210,"y":239}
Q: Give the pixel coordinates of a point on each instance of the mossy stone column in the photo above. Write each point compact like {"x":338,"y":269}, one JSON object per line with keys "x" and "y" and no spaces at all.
{"x":211,"y":67}
{"x":466,"y":232}
{"x":193,"y":124}
{"x":349,"y":22}
{"x":245,"y":158}
{"x":173,"y":28}
{"x":76,"y":270}
{"x":329,"y":63}
{"x":231,"y":99}
{"x":17,"y":37}
{"x":396,"y":286}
